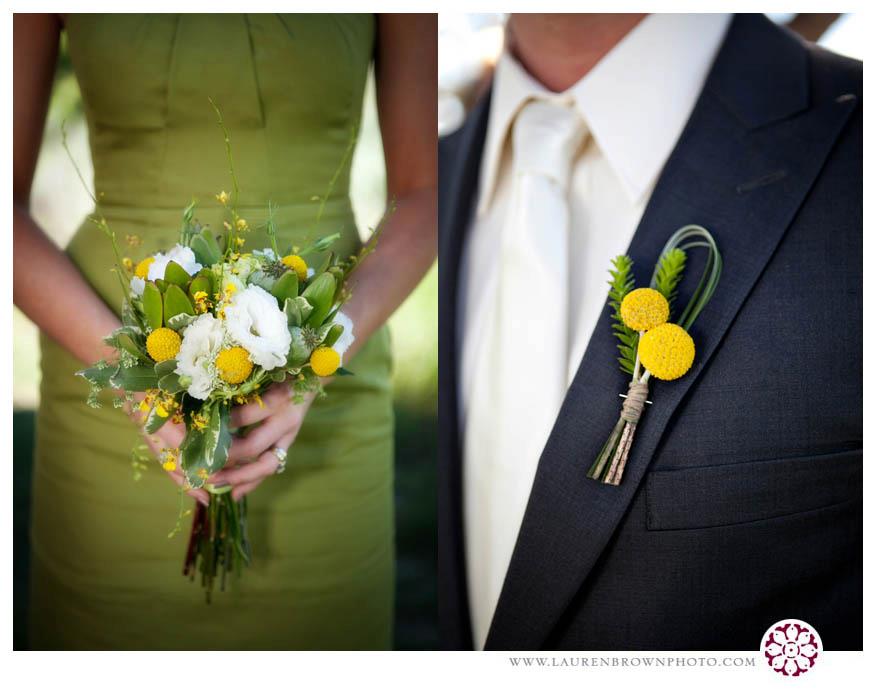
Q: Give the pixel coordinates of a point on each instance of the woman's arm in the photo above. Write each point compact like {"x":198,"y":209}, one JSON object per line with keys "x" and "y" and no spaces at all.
{"x":36,"y":258}
{"x":406,"y":72}
{"x":407,"y":100}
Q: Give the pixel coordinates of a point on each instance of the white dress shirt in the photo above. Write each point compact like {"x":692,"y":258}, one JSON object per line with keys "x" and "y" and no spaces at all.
{"x":635,"y":103}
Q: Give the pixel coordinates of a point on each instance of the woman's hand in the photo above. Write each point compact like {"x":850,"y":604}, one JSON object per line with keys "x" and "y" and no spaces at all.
{"x":279,"y":419}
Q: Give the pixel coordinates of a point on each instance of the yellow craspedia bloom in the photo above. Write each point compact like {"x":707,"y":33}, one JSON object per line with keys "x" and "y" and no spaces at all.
{"x":297,"y":264}
{"x":163,"y":343}
{"x":234,"y":364}
{"x":142,"y":270}
{"x":644,"y":308}
{"x":325,"y":361}
{"x":667,"y":351}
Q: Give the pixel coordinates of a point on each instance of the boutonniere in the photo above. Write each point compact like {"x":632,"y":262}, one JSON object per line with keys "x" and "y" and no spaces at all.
{"x":650,"y":345}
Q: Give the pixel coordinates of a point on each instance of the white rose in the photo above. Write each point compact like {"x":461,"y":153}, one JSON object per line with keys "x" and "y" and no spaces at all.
{"x":184,"y":256}
{"x":347,"y":338}
{"x":256,"y":323}
{"x":201,"y":343}
{"x":137,"y":286}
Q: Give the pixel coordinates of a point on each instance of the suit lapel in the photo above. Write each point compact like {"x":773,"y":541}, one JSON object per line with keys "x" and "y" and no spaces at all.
{"x":747,"y":158}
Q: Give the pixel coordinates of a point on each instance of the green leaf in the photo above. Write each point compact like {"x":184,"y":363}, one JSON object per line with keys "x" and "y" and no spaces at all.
{"x":168,"y":366}
{"x":136,"y":378}
{"x":180,"y":321}
{"x":207,"y":449}
{"x":154,"y":421}
{"x":153,"y":306}
{"x":176,"y":274}
{"x":669,"y":272}
{"x":286,"y":287}
{"x":621,"y":283}
{"x":202,"y":282}
{"x":176,"y":302}
{"x":333,"y":334}
{"x":99,"y":375}
{"x":293,"y":312}
{"x":323,"y":243}
{"x":206,"y":248}
{"x":344,"y":372}
{"x":299,"y":352}
{"x":305,"y":307}
{"x":171,"y":383}
{"x":320,"y":293}
{"x":324,"y":265}
{"x":130,"y":317}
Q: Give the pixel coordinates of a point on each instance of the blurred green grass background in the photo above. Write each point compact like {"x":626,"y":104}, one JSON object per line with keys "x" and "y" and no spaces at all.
{"x":59,"y":204}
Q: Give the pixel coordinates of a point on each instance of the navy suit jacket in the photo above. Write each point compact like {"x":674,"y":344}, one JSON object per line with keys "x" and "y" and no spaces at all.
{"x":741,"y":503}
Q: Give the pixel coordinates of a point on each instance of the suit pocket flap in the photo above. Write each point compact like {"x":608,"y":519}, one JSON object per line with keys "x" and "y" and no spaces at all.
{"x":717,"y":495}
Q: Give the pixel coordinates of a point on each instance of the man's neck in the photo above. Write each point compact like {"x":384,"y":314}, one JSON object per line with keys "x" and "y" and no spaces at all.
{"x":559,"y":49}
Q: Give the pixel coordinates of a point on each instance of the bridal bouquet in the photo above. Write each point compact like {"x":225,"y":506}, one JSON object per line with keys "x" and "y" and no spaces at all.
{"x":206,"y":326}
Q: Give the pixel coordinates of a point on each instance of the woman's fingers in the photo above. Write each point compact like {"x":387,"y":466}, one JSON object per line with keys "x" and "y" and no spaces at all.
{"x":242,"y":490}
{"x":265,"y":466}
{"x":264,"y":437}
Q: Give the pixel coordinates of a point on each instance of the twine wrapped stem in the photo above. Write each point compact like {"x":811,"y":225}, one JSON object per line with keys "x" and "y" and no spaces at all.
{"x":617,"y":449}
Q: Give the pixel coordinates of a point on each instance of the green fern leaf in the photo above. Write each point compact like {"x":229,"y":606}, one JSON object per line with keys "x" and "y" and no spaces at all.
{"x":621,"y":283}
{"x":670,"y":270}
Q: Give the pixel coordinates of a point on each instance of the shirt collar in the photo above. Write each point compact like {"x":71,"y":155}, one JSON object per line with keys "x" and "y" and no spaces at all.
{"x":635,"y":101}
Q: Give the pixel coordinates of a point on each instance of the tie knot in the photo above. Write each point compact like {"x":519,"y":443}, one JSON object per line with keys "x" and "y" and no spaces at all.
{"x":546,"y":137}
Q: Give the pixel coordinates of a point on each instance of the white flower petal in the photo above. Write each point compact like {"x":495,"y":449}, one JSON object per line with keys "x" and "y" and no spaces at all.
{"x":184,"y":256}
{"x":202,"y":341}
{"x":256,"y":323}
{"x":347,"y":337}
{"x":137,"y":286}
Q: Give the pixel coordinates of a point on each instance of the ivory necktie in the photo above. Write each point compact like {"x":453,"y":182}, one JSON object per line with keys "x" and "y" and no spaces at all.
{"x":522,"y":368}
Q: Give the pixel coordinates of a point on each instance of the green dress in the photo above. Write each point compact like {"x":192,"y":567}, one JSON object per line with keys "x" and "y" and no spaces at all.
{"x":105,"y":573}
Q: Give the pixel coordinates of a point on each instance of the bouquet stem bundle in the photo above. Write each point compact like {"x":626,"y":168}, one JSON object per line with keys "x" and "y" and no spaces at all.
{"x":218,"y":543}
{"x":609,"y":465}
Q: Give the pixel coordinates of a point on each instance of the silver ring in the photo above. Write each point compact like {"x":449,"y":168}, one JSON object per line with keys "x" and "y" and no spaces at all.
{"x":281,"y":456}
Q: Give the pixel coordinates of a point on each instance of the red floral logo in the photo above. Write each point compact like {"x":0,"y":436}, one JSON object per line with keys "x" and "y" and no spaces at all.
{"x":791,"y":647}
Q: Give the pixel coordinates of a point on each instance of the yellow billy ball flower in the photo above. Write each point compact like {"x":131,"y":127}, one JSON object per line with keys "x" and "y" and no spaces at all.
{"x":325,"y":361}
{"x":643,"y":309}
{"x":297,"y":264}
{"x":163,"y":343}
{"x":234,"y":365}
{"x":142,"y":270}
{"x":222,"y":197}
{"x":667,"y":351}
